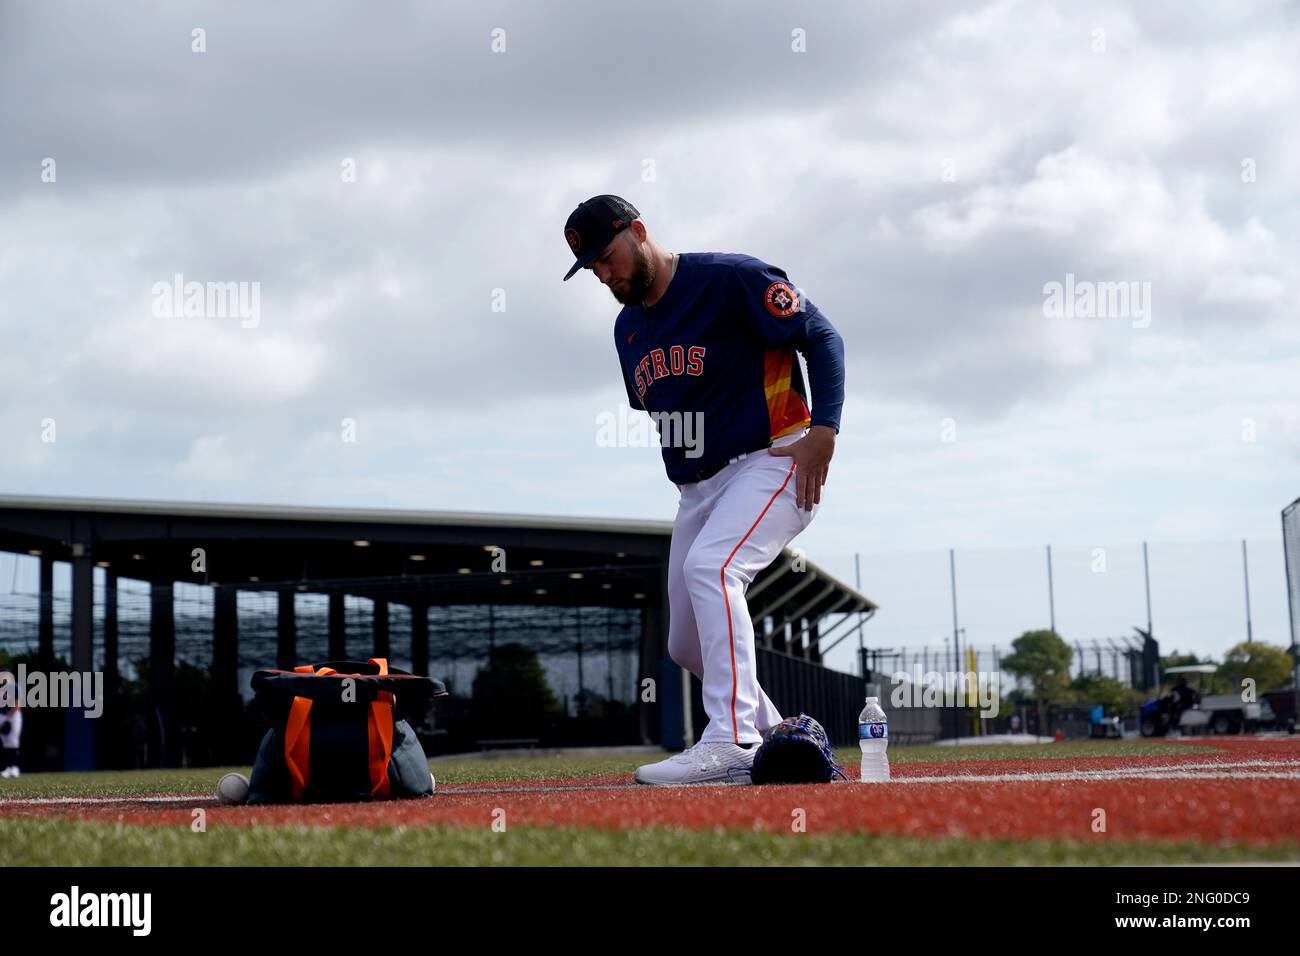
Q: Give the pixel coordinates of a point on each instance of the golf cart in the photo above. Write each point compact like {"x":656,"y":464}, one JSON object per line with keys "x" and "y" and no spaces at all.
{"x":1182,"y":707}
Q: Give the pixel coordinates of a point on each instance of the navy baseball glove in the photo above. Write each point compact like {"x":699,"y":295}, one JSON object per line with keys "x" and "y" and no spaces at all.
{"x":796,"y":751}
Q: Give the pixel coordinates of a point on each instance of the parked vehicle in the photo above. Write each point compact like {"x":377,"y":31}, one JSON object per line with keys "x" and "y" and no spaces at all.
{"x":1283,"y":704}
{"x":1183,"y":707}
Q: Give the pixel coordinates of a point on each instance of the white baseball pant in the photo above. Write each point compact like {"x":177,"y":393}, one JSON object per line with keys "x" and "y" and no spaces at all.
{"x":14,"y":718}
{"x":728,"y":528}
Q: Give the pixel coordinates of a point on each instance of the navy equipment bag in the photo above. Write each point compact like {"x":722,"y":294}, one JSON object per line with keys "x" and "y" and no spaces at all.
{"x":339,"y":733}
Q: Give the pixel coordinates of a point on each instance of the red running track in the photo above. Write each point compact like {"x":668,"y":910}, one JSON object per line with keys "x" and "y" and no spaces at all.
{"x":1246,"y":792}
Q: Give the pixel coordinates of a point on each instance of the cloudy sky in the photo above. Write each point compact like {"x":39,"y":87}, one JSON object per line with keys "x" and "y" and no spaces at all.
{"x":393,"y":179}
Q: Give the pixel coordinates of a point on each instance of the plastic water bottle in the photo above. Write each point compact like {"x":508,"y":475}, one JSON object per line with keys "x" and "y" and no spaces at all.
{"x":873,"y":736}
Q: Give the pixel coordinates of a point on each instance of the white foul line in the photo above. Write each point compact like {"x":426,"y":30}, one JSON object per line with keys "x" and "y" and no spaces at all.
{"x":460,"y":791}
{"x":1255,"y":769}
{"x":93,"y":801}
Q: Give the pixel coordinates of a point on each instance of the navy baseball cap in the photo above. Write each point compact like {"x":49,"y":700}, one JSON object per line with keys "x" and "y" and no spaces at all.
{"x":593,"y":224}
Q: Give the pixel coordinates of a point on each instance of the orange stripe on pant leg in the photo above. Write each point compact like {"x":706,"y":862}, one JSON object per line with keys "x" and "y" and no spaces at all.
{"x":722,"y":576}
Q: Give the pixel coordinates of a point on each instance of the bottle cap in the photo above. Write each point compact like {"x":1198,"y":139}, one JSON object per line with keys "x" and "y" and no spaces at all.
{"x":873,"y":700}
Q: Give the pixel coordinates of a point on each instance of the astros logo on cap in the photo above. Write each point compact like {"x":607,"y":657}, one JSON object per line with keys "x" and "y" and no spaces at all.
{"x":572,"y":237}
{"x":781,"y":300}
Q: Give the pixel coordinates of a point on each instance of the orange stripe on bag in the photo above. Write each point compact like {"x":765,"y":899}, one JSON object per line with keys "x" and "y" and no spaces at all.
{"x":379,"y":733}
{"x":297,"y":745}
{"x":380,"y":726}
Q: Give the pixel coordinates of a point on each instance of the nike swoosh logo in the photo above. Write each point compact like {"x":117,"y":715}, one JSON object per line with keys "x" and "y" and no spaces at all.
{"x":632,"y":336}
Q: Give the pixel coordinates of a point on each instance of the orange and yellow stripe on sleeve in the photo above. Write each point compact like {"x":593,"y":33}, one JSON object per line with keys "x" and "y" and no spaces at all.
{"x":786,"y":410}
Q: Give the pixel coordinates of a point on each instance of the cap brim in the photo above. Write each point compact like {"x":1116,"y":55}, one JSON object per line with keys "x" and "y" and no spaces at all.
{"x":580,"y":262}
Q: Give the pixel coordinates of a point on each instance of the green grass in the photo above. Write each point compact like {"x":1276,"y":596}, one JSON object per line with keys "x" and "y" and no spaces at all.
{"x":1064,"y":750}
{"x":476,"y":770}
{"x":66,"y":842}
{"x":535,"y":768}
{"x":128,"y":783}
{"x":117,"y":783}
{"x":140,"y":783}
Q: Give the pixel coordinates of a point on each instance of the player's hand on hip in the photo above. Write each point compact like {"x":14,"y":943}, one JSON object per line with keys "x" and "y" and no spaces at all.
{"x":812,"y":463}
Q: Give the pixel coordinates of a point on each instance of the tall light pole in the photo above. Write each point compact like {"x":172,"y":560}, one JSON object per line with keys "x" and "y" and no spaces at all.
{"x":956,"y":653}
{"x":857,"y":578}
{"x":1051,"y":593}
{"x":1245,"y":570}
{"x":952,"y":573}
{"x":1146,"y":574}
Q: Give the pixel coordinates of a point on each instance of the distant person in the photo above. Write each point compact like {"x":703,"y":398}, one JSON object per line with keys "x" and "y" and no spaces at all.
{"x":1184,"y":697}
{"x":1181,"y":697}
{"x":11,"y":725}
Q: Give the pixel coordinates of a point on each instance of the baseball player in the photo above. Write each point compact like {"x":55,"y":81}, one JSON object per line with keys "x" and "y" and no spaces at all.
{"x":11,"y":725}
{"x":707,"y":345}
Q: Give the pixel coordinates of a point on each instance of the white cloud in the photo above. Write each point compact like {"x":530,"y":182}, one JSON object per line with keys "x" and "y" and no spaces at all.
{"x":376,"y":295}
{"x":215,"y":460}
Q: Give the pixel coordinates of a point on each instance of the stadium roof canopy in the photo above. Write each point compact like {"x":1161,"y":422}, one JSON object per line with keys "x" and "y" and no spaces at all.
{"x":422,"y":559}
{"x":429,"y":557}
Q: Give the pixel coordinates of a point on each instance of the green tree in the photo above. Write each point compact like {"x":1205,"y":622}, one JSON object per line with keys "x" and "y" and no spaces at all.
{"x":1043,"y":659}
{"x":1116,"y":698}
{"x":206,"y":728}
{"x":512,"y":697}
{"x":1267,"y":664}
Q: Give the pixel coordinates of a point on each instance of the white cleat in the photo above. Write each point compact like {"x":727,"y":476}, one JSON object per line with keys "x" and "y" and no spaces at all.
{"x":716,"y":761}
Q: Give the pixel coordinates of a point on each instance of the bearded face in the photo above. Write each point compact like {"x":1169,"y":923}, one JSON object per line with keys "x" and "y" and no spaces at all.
{"x":633,"y":289}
